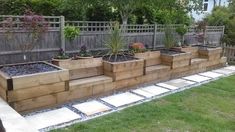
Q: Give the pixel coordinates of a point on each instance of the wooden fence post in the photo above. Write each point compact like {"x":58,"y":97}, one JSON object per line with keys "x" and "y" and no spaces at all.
{"x":62,"y":38}
{"x":154,"y":36}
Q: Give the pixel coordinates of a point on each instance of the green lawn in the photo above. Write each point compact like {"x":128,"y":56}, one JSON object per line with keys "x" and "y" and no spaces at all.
{"x":209,"y":108}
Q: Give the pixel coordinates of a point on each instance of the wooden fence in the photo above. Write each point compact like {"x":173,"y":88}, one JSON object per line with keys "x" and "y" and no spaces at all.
{"x":93,"y":35}
{"x":229,"y":52}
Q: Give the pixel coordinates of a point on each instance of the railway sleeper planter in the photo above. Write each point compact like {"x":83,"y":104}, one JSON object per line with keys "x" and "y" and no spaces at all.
{"x":176,"y":60}
{"x":189,"y":49}
{"x":210,"y":53}
{"x":16,"y":89}
{"x":150,"y":58}
{"x":124,"y":70}
{"x":81,"y":68}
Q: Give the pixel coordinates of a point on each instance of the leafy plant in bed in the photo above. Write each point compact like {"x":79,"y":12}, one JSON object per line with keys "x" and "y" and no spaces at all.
{"x":84,"y":53}
{"x":118,"y":64}
{"x":150,"y":57}
{"x":172,"y":57}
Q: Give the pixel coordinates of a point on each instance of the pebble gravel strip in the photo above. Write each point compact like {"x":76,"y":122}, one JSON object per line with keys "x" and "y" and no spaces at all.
{"x":115,"y":109}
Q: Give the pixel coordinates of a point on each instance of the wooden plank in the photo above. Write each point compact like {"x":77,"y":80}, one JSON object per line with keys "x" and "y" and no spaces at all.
{"x":27,"y":81}
{"x":27,"y":93}
{"x":151,"y":57}
{"x":127,"y":83}
{"x":148,"y":55}
{"x":88,"y":82}
{"x":86,"y":72}
{"x":181,"y":63}
{"x":152,"y":62}
{"x":125,"y":74}
{"x":102,"y":88}
{"x":74,"y":94}
{"x":156,"y":77}
{"x":123,"y":66}
{"x":157,"y":69}
{"x":80,"y":63}
{"x":34,"y":103}
{"x":3,"y":93}
{"x":3,"y":80}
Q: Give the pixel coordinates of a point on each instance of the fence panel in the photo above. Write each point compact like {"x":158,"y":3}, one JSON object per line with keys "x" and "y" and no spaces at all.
{"x":93,"y":35}
{"x":230,"y":54}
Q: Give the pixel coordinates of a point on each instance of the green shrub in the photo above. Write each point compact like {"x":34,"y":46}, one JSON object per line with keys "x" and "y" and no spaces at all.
{"x":71,"y":32}
{"x":169,"y":40}
{"x":182,"y":30}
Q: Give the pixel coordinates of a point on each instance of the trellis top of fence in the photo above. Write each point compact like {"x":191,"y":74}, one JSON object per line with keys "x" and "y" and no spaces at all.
{"x":15,"y":23}
{"x":56,"y":23}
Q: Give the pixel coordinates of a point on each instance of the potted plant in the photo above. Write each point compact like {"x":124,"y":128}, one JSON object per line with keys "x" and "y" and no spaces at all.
{"x":150,"y":57}
{"x":84,"y":54}
{"x":182,"y":30}
{"x":117,"y":64}
{"x":62,"y":56}
{"x":170,"y":56}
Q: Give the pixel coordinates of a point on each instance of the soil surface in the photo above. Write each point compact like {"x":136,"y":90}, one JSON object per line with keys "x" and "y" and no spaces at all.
{"x":170,"y":51}
{"x":25,"y":69}
{"x":204,"y":46}
{"x":119,"y":58}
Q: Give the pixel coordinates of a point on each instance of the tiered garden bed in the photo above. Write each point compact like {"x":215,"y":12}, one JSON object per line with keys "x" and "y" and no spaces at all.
{"x":85,"y":78}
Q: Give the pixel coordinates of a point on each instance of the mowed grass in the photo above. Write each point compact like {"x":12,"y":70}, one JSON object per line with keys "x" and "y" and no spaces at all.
{"x":208,"y":108}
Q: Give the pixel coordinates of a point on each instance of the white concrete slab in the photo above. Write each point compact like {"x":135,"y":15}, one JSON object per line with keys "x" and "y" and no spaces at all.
{"x":122,"y":99}
{"x":197,"y":78}
{"x":224,"y":71}
{"x":143,"y":93}
{"x":211,"y":74}
{"x":167,"y":86}
{"x":230,"y":68}
{"x":50,"y":118}
{"x":92,"y":107}
{"x":155,"y":90}
{"x":176,"y":84}
{"x":13,"y":121}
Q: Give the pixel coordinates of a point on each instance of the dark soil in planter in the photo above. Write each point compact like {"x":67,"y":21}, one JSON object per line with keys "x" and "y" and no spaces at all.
{"x":120,"y":58}
{"x":170,"y":51}
{"x":25,"y":69}
{"x":205,"y":46}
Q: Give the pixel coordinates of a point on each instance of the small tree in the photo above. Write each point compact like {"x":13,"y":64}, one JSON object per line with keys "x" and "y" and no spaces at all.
{"x":34,"y":26}
{"x":182,"y":30}
{"x":169,"y":40}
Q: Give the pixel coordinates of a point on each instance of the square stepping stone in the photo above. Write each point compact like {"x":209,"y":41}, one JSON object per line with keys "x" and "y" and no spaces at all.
{"x":92,"y":107}
{"x":230,"y":68}
{"x":155,"y":90}
{"x":211,"y":74}
{"x":50,"y":118}
{"x":224,"y":71}
{"x":122,"y":99}
{"x":197,"y":78}
{"x":176,"y":84}
{"x":143,"y":93}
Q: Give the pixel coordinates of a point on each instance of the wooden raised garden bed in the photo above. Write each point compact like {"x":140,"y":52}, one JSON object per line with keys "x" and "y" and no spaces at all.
{"x":150,"y":57}
{"x":25,"y":87}
{"x":175,"y":59}
{"x":82,"y":68}
{"x":211,"y":53}
{"x":190,"y":49}
{"x":125,"y":69}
